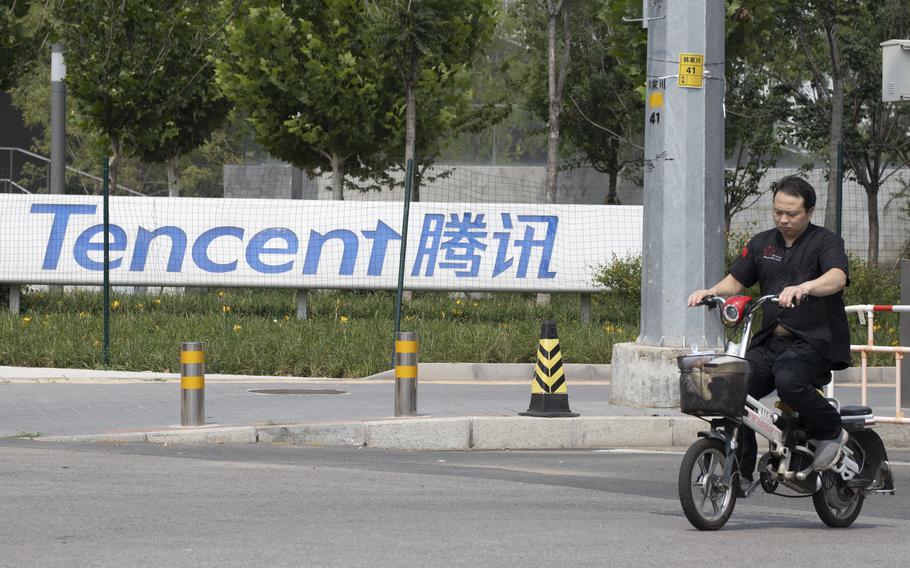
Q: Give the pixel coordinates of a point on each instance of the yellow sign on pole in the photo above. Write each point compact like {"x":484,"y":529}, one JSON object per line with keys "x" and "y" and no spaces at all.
{"x":691,"y":70}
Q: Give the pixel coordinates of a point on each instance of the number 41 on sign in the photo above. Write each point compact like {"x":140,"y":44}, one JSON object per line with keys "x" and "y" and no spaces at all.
{"x":691,"y":70}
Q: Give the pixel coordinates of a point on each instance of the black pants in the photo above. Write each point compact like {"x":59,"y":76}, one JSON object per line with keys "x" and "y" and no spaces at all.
{"x":794,"y":368}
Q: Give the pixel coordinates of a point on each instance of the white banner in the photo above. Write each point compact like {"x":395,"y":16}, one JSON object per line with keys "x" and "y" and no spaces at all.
{"x":160,"y":241}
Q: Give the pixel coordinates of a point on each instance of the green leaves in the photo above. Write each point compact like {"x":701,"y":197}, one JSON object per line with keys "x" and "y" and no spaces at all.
{"x":141,"y":72}
{"x":307,"y":76}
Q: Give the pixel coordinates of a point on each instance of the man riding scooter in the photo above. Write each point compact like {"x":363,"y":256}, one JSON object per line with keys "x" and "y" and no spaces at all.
{"x":794,"y":352}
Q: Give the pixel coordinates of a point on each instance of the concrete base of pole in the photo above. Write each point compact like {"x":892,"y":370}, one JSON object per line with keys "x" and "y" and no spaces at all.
{"x":302,"y":304}
{"x":14,"y":299}
{"x":585,"y":308}
{"x":645,"y":376}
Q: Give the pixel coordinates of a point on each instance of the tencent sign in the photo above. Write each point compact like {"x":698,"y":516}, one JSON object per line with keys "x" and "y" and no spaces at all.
{"x":311,"y":244}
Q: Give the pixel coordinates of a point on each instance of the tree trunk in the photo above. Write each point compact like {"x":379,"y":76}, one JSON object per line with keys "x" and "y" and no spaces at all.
{"x":612,"y":197}
{"x":553,"y":117}
{"x":173,"y":176}
{"x":337,"y":177}
{"x":837,"y":136}
{"x":837,"y":126}
{"x":410,"y":136}
{"x":872,"y":204}
{"x":114,"y":164}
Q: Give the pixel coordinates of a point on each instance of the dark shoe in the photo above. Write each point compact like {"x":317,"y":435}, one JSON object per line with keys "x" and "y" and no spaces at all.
{"x":742,"y":490}
{"x":827,"y":452}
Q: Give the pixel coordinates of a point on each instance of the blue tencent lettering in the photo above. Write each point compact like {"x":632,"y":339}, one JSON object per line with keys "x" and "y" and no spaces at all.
{"x":257,"y":248}
{"x":84,"y":245}
{"x":201,"y":249}
{"x":529,"y":242}
{"x":462,"y":239}
{"x":314,"y":250}
{"x":144,"y":240}
{"x":456,"y":241}
{"x":61,"y":215}
{"x":380,"y":237}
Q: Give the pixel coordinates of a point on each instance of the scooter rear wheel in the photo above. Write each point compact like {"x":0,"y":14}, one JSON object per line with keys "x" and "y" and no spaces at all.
{"x":705,"y":500}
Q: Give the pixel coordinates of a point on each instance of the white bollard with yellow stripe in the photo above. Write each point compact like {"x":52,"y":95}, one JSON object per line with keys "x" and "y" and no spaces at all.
{"x":192,"y":383}
{"x":406,"y":373}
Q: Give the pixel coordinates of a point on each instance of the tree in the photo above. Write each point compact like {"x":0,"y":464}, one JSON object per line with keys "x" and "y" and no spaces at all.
{"x":447,"y":109}
{"x":876,"y":133}
{"x":196,"y":107}
{"x":126,"y":63}
{"x":818,"y":27}
{"x":539,"y":33}
{"x":843,"y":56}
{"x":307,"y":76}
{"x":603,"y":118}
{"x":427,"y":37}
{"x":755,"y":103}
{"x":19,"y":39}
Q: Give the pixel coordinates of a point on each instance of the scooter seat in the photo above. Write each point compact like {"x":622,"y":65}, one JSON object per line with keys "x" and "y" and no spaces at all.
{"x":855,"y":411}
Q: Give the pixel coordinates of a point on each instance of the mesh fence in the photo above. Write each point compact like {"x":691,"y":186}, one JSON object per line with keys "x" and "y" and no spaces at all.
{"x":469,"y":232}
{"x":893,"y":212}
{"x":474,"y":229}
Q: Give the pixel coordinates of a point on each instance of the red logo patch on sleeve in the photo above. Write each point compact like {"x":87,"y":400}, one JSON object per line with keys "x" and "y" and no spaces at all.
{"x":745,"y":252}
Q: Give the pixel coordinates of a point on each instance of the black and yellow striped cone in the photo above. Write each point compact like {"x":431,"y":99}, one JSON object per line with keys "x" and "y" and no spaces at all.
{"x":549,"y":397}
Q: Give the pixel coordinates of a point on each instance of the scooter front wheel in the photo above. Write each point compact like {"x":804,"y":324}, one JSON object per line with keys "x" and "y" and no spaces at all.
{"x":706,"y":500}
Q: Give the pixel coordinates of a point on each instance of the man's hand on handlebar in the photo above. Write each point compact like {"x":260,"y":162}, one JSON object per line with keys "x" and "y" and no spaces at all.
{"x":792,"y":296}
{"x":697,"y":296}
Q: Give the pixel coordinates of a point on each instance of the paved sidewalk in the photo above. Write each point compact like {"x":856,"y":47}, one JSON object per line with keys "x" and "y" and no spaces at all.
{"x":453,"y":414}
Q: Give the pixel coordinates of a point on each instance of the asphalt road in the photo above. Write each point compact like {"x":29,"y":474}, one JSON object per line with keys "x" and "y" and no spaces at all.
{"x":72,"y":409}
{"x":260,"y":505}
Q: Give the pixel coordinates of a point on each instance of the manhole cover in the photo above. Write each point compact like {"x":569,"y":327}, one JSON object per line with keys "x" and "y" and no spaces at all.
{"x":297,"y":391}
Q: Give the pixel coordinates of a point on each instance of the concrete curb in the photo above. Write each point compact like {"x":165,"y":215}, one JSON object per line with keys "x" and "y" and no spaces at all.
{"x":435,"y":372}
{"x":464,"y":433}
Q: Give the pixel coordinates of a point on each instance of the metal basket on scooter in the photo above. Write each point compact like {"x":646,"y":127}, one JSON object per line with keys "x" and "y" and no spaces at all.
{"x":713,"y":384}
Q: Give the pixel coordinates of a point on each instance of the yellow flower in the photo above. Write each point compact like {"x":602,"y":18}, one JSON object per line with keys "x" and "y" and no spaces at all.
{"x":97,"y":343}
{"x":237,"y":328}
{"x":226,"y":309}
{"x":157,"y":301}
{"x":221,"y":293}
{"x":140,"y":306}
{"x":115,"y":304}
{"x":475,"y":304}
{"x":458,"y":302}
{"x":26,"y":320}
{"x":286,"y":317}
{"x":344,"y":319}
{"x":83,"y":314}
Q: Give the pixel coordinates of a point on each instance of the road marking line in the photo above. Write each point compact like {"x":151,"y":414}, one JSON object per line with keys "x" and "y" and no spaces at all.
{"x":637,"y":451}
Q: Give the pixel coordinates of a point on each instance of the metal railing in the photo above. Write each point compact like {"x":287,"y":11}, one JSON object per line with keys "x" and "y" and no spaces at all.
{"x":866,"y":313}
{"x":11,"y":184}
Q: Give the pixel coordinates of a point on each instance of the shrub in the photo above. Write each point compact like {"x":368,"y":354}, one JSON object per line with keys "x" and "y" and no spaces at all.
{"x":622,"y":277}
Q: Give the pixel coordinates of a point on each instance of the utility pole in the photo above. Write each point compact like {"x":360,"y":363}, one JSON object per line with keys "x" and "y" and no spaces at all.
{"x":58,"y":120}
{"x":683,"y":241}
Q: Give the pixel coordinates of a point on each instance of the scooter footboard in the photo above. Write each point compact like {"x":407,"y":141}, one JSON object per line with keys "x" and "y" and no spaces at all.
{"x":876,"y":468}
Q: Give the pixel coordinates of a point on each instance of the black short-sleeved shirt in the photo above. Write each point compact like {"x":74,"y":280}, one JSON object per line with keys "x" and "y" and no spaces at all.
{"x":819,"y":321}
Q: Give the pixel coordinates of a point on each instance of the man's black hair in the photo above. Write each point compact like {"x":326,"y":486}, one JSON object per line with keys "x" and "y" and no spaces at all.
{"x":796,"y":187}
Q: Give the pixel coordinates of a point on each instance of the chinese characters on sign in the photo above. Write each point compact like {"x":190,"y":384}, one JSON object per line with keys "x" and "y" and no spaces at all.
{"x":462,"y":238}
{"x":691,"y":70}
